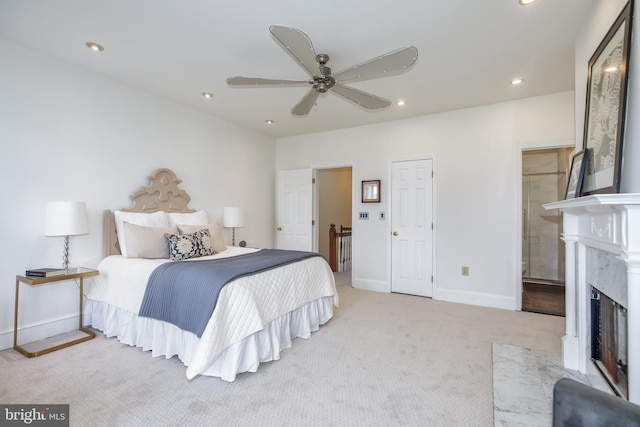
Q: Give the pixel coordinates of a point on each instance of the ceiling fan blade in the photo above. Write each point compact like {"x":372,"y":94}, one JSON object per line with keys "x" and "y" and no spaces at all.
{"x":255,"y":81}
{"x":364,"y":99}
{"x":389,"y":62}
{"x":303,"y":107}
{"x":299,"y":46}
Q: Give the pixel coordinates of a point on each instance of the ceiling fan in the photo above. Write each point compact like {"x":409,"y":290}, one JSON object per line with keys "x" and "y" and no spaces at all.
{"x":322,"y":80}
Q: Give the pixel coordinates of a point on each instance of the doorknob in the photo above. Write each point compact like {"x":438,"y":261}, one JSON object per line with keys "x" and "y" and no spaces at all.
{"x":279,"y":228}
{"x":395,"y":233}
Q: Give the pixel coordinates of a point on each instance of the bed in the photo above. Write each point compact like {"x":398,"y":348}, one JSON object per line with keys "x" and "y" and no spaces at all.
{"x":256,"y":315}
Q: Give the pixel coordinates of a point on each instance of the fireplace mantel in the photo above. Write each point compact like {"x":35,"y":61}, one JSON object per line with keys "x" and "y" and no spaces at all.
{"x":610,"y":223}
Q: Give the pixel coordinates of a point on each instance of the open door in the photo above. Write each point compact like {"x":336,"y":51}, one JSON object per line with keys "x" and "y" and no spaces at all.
{"x":294,"y":216}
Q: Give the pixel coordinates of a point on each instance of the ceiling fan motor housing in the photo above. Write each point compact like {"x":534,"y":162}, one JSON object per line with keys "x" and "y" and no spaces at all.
{"x":323,"y":84}
{"x":326,"y":81}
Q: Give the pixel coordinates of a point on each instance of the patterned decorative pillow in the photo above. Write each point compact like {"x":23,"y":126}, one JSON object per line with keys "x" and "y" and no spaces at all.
{"x":185,"y":246}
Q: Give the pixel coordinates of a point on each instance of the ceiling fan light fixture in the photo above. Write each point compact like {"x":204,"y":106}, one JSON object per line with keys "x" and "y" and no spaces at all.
{"x":94,"y":46}
{"x":299,"y":46}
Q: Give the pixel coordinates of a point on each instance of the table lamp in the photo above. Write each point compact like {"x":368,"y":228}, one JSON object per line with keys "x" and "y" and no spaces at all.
{"x":66,"y":219}
{"x":233,"y":217}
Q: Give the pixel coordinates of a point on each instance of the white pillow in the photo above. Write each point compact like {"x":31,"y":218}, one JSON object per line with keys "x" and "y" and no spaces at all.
{"x":147,"y":242}
{"x":191,"y":218}
{"x":217,"y":241}
{"x":155,"y":219}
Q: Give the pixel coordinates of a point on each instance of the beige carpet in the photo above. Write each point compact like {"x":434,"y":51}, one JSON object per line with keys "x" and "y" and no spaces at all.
{"x":384,"y":359}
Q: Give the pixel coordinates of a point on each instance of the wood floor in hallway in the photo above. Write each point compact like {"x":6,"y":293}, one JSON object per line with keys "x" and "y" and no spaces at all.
{"x":543,"y":298}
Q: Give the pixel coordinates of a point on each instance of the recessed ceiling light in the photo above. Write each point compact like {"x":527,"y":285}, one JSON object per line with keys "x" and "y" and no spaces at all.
{"x":400,"y":103}
{"x":94,"y":46}
{"x":207,"y":95}
{"x":269,"y":122}
{"x":526,"y":2}
{"x":516,"y":82}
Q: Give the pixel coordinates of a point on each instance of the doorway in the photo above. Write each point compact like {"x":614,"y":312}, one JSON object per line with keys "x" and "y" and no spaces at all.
{"x":544,"y":178}
{"x":334,"y":205}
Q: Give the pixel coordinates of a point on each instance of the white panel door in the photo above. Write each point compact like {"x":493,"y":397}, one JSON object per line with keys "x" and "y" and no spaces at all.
{"x":412,"y":227}
{"x":294,"y":216}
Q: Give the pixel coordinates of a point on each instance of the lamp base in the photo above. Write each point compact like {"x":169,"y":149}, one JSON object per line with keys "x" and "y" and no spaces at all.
{"x":65,"y":254}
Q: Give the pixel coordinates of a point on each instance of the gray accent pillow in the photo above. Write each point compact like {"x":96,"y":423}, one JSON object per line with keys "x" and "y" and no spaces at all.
{"x":146,"y":242}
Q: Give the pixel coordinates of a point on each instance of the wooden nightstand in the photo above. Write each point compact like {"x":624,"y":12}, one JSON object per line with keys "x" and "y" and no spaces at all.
{"x":78,"y":273}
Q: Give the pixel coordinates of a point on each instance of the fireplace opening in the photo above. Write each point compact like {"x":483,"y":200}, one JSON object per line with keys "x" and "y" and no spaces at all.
{"x":609,"y":341}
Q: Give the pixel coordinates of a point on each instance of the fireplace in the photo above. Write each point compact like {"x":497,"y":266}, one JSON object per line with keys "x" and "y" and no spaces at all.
{"x":602,"y":253}
{"x":609,"y":341}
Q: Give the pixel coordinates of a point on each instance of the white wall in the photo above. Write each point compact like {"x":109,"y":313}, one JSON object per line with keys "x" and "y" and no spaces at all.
{"x":477,"y":195}
{"x":593,"y":32}
{"x":67,"y":134}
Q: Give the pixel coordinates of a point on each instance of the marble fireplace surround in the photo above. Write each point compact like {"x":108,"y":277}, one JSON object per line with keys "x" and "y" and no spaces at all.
{"x":604,"y":228}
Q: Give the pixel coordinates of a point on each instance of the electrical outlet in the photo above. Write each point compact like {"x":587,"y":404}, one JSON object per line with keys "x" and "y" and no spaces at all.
{"x":364,"y":215}
{"x":465,"y":270}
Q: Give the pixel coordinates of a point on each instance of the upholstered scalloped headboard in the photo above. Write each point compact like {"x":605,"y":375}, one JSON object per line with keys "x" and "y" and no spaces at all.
{"x":162,"y":194}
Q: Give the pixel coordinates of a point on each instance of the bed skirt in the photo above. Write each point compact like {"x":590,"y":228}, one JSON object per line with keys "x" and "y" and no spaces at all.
{"x":165,"y":339}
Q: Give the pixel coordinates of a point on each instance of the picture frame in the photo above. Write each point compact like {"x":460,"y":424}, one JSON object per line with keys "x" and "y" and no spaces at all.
{"x":576,"y":175}
{"x":605,"y":111}
{"x":371,"y":191}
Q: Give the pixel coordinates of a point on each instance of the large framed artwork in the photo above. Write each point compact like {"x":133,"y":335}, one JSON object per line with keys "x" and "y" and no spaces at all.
{"x":606,"y":107}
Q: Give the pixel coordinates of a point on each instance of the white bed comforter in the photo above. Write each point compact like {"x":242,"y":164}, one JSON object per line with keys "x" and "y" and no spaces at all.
{"x":245,"y":306}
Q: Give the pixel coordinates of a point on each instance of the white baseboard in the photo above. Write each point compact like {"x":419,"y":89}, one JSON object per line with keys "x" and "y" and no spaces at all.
{"x":371,"y":285}
{"x":450,"y":295}
{"x":475,"y":298}
{"x":37,"y":331}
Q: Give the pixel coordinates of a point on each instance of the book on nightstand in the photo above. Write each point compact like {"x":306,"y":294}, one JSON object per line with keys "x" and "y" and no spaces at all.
{"x":45,"y":272}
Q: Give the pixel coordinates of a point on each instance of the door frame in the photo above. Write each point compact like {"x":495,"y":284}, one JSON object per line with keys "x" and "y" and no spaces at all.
{"x":316,"y":207}
{"x":434,"y":198}
{"x":518,"y":208}
{"x":316,"y":204}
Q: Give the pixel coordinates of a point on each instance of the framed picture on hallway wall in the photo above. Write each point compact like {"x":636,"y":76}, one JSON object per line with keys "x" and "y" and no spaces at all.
{"x":371,"y":191}
{"x":606,"y":108}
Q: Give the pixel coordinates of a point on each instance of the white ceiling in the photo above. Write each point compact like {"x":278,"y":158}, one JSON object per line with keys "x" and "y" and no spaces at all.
{"x":469,"y":50}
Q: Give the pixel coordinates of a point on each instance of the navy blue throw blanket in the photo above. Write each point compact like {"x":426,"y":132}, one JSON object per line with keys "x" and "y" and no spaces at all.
{"x":185,"y":293}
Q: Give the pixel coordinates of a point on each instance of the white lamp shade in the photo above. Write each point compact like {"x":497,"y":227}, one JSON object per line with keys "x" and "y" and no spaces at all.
{"x":66,"y":219}
{"x":233,"y":217}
